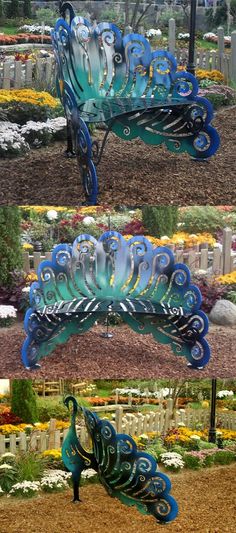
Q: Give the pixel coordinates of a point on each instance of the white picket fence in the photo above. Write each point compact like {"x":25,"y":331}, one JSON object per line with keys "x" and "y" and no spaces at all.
{"x":220,"y":260}
{"x":41,"y":74}
{"x":159,"y":421}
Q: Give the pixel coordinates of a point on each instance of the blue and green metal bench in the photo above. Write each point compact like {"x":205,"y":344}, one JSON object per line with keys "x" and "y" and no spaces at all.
{"x":92,"y":278}
{"x":126,"y":473}
{"x":106,"y":77}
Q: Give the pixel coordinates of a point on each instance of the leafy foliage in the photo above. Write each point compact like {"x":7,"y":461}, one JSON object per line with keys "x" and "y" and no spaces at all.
{"x":23,"y":400}
{"x":10,"y":246}
{"x":211,"y":291}
{"x":160,"y":220}
{"x":199,"y":219}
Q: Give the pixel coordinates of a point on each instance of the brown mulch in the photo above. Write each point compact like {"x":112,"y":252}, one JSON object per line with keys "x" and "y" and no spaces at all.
{"x":134,"y":173}
{"x":206,"y":502}
{"x":126,"y":356}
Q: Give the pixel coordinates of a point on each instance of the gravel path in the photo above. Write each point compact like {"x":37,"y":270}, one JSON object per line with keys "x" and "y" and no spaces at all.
{"x":126,"y":355}
{"x":134,"y":174}
{"x":206,"y":502}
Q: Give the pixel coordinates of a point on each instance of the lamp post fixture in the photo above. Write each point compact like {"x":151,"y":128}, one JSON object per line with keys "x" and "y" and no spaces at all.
{"x":191,"y":51}
{"x":212,"y":430}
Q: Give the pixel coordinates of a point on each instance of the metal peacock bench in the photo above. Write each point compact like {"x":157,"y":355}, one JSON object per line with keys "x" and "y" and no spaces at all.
{"x":103,"y":76}
{"x":126,"y":473}
{"x":92,"y":278}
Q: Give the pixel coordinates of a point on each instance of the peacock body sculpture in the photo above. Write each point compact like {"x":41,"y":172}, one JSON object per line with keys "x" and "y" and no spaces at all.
{"x":126,"y":473}
{"x":140,"y":282}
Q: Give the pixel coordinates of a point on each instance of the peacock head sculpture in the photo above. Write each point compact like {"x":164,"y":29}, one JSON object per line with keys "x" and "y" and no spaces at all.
{"x":140,"y":282}
{"x":130,"y":475}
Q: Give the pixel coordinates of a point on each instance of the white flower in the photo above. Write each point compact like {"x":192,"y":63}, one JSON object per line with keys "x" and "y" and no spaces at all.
{"x":88,"y":473}
{"x":7,"y":454}
{"x":26,"y":289}
{"x":52,"y":214}
{"x":88,"y":220}
{"x":224,"y":393}
{"x":7,"y":311}
{"x":195,"y":437}
{"x":25,"y":486}
{"x":5,"y":466}
{"x":165,"y":238}
{"x":172,"y":459}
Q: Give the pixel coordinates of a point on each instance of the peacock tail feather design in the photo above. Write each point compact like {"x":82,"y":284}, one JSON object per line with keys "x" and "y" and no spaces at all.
{"x":126,"y":473}
{"x":105,"y":76}
{"x":93,"y":277}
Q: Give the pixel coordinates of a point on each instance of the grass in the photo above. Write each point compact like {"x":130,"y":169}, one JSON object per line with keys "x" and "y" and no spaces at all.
{"x":9,"y":30}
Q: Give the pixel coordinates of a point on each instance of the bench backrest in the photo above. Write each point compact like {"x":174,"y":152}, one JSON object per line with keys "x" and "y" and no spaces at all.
{"x":99,"y":62}
{"x":131,"y":277}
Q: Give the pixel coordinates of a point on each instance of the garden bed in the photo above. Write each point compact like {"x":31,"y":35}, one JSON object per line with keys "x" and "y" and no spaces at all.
{"x":126,"y":355}
{"x":134,"y":173}
{"x":196,"y":493}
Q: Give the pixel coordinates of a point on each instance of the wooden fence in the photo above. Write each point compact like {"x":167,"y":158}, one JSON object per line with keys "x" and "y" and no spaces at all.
{"x":159,"y":421}
{"x":41,"y":74}
{"x":221,"y":260}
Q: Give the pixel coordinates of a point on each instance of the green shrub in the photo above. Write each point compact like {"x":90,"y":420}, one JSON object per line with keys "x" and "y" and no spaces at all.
{"x":224,"y":457}
{"x":156,"y":449}
{"x":48,"y":408}
{"x":20,"y":112}
{"x":160,"y":220}
{"x":208,"y":461}
{"x":23,"y":401}
{"x":46,"y":15}
{"x":192,"y":462}
{"x":205,"y":445}
{"x":199,"y":219}
{"x":30,"y":467}
{"x":10,"y":245}
{"x":27,"y":9}
{"x":13,"y":9}
{"x":7,"y":476}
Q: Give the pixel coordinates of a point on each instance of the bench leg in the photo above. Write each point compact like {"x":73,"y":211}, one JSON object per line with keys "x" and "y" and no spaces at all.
{"x":70,"y":151}
{"x":84,"y":152}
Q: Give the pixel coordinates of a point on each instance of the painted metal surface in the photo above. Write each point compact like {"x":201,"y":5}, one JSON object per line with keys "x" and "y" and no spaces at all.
{"x":130,"y":277}
{"x":126,"y":473}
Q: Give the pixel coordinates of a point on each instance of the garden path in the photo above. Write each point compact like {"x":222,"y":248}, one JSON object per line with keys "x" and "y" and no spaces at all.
{"x":206,"y":501}
{"x":134,"y":174}
{"x":126,"y":356}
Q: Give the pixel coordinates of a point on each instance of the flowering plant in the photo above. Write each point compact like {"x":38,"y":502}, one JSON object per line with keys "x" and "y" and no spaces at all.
{"x":27,"y":489}
{"x":54,"y":481}
{"x":7,"y":315}
{"x":172,"y":460}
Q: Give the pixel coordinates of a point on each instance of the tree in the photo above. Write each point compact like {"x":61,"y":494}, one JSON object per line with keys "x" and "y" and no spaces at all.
{"x":134,"y":15}
{"x":10,"y":246}
{"x":13,"y":9}
{"x":23,"y":400}
{"x":160,"y":220}
{"x":1,"y":9}
{"x":27,"y":9}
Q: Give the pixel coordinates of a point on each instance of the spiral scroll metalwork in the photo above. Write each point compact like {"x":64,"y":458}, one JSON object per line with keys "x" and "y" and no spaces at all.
{"x":130,"y":475}
{"x":140,"y":282}
{"x":136,"y":91}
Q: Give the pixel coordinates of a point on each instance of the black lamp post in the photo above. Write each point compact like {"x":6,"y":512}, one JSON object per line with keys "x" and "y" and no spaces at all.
{"x":212,"y":430}
{"x":191,"y":51}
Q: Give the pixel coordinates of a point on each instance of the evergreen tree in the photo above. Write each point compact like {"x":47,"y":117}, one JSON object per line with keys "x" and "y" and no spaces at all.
{"x":13,"y":10}
{"x":10,"y":246}
{"x":23,"y":400}
{"x":27,"y":9}
{"x":160,"y":220}
{"x":1,"y":9}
